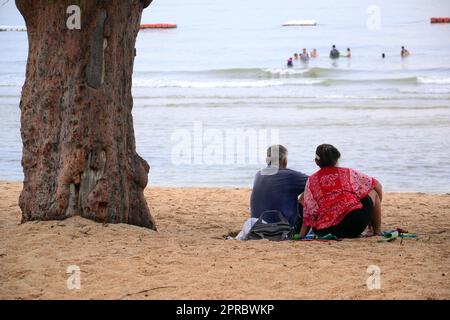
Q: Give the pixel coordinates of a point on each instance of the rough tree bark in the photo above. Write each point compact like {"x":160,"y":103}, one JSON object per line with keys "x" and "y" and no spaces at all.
{"x":79,"y":155}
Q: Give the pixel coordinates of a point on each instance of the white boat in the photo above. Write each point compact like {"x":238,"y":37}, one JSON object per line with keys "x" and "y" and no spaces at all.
{"x":300,"y":23}
{"x":13,"y":28}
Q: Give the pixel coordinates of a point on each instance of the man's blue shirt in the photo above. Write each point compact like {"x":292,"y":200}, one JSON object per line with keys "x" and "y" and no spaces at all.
{"x":278,"y":191}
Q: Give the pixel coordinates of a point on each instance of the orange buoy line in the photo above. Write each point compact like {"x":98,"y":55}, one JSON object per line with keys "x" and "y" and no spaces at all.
{"x":158,"y":26}
{"x":440,"y":20}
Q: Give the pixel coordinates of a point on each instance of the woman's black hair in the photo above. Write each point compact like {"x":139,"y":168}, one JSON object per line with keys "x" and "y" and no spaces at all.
{"x":327,"y":155}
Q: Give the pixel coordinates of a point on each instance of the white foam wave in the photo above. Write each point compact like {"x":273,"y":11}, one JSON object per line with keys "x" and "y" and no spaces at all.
{"x":11,"y":80}
{"x":280,"y":71}
{"x":151,"y":83}
{"x":425,"y":90}
{"x":430,"y":80}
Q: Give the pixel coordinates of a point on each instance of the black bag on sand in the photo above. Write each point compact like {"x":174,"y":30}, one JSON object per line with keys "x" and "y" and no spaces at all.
{"x":274,"y":231}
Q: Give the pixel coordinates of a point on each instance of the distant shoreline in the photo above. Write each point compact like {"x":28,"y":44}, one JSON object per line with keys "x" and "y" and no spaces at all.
{"x":206,"y":188}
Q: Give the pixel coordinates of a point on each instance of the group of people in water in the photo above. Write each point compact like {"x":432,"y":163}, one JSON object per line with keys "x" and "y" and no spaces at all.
{"x":334,"y":54}
{"x":334,"y":200}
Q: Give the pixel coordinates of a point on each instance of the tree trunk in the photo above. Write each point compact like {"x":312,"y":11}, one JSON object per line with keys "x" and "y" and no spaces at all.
{"x":79,"y":155}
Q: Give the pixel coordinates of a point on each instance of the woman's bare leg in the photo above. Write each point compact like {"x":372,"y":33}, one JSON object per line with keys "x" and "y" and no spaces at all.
{"x":376,"y":214}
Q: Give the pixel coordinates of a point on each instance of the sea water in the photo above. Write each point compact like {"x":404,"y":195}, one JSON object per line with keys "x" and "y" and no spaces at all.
{"x":217,"y":86}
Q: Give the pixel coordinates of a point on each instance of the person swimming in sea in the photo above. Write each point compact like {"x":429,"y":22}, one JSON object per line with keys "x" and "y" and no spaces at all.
{"x":304,"y":56}
{"x":348,"y":54}
{"x":290,"y":63}
{"x":314,"y":53}
{"x":404,"y":53}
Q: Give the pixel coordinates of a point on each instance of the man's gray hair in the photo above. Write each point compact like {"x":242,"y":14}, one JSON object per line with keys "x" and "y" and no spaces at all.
{"x":274,"y":150}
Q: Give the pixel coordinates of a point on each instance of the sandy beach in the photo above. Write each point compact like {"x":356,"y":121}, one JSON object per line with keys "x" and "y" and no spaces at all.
{"x":188,"y":257}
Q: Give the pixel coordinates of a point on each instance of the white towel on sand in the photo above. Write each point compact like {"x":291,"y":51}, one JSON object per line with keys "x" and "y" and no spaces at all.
{"x":248,"y":224}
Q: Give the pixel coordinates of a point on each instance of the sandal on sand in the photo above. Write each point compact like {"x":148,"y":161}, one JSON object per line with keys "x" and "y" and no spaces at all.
{"x":391,"y":235}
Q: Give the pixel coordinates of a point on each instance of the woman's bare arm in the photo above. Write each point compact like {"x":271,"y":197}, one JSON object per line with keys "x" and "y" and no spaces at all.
{"x":379,"y":190}
{"x":304,"y":231}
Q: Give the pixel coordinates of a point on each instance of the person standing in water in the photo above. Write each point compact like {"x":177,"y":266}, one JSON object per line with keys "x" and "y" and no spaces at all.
{"x":290,"y":64}
{"x":314,"y":53}
{"x":304,"y":56}
{"x":404,"y":53}
{"x":334,"y":53}
{"x":383,"y":55}
{"x":296,"y":56}
{"x":348,"y":54}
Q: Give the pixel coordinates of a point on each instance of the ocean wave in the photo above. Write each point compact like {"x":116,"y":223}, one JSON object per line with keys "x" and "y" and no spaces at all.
{"x":265,"y":77}
{"x":433,"y":80}
{"x":258,"y":77}
{"x":284,"y":71}
{"x":313,"y":72}
{"x":400,"y":80}
{"x":273,"y":82}
{"x":425,"y":90}
{"x":246,"y":72}
{"x":13,"y":79}
{"x":231,"y":99}
{"x":300,"y":104}
{"x":151,"y":83}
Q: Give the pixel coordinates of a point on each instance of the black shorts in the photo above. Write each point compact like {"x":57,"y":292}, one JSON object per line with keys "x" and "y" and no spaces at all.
{"x":354,"y":223}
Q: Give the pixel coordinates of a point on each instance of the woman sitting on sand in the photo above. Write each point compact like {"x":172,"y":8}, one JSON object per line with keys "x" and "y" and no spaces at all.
{"x":340,"y":201}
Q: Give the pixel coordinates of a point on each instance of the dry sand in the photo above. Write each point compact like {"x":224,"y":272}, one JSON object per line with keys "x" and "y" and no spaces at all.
{"x":188,"y":257}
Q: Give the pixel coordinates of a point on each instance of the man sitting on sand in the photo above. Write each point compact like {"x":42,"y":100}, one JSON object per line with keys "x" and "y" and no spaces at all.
{"x":277,"y":187}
